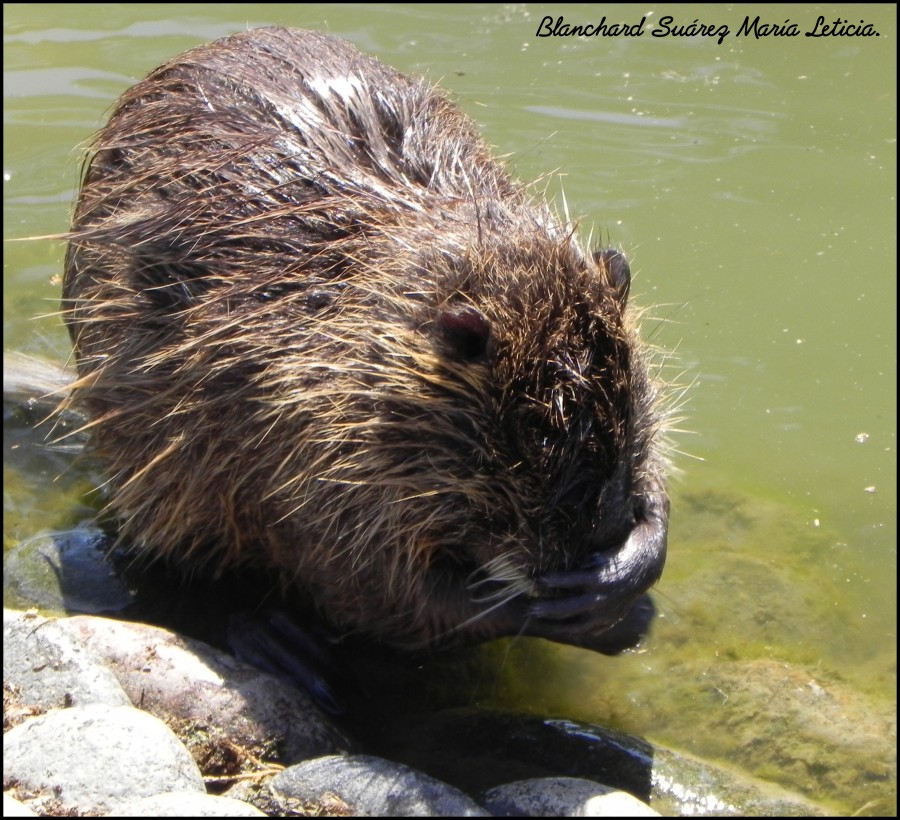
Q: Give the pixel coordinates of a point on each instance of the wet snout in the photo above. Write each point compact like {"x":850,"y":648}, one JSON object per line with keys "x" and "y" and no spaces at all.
{"x":578,"y":606}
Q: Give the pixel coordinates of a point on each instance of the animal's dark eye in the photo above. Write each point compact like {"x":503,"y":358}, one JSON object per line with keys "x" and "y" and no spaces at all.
{"x":465,"y":331}
{"x":618,"y":271}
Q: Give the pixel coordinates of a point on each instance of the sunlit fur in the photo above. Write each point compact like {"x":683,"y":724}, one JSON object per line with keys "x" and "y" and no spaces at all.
{"x":270,"y":231}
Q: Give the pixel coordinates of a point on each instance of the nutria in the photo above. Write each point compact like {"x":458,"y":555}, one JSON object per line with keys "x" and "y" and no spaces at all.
{"x":320,"y":329}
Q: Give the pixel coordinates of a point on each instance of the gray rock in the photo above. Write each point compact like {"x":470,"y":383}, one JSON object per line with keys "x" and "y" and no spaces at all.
{"x":66,"y":571}
{"x":617,"y":804}
{"x":375,"y":787}
{"x":179,"y":678}
{"x":50,"y":668}
{"x":13,"y":808}
{"x":562,"y":797}
{"x":185,"y":804}
{"x":92,"y":757}
{"x":257,"y":792}
{"x":31,"y":379}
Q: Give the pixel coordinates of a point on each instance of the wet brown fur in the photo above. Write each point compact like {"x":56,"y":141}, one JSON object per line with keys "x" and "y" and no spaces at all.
{"x":320,"y":330}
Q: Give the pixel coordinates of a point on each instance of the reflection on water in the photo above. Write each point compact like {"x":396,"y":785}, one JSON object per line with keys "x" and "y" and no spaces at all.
{"x":612,"y":117}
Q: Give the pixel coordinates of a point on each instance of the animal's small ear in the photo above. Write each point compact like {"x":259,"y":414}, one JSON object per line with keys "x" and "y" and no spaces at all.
{"x":464,"y":331}
{"x":615,"y":267}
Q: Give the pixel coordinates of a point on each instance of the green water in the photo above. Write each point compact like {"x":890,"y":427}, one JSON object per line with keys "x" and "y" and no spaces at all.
{"x":752,"y":184}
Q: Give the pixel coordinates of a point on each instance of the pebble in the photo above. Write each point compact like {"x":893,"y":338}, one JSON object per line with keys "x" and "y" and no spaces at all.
{"x":66,"y":570}
{"x":51,"y":669}
{"x":92,"y":757}
{"x":13,"y":808}
{"x":186,"y":804}
{"x":375,"y":787}
{"x":563,"y":797}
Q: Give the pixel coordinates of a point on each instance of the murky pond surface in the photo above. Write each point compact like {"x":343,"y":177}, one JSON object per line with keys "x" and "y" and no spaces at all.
{"x":752,"y":184}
